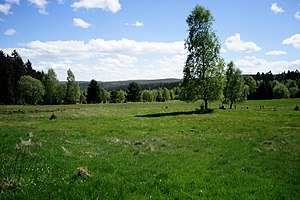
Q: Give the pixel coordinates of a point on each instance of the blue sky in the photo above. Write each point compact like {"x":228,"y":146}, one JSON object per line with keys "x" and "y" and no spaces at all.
{"x":140,"y":39}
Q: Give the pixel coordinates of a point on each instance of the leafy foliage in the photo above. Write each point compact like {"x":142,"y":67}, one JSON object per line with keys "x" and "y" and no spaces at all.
{"x":31,"y":90}
{"x":147,"y":96}
{"x":117,"y":96}
{"x":52,"y":88}
{"x":12,"y":68}
{"x":234,"y":88}
{"x":104,"y":96}
{"x":72,"y":89}
{"x":259,"y":86}
{"x":166,"y":94}
{"x":281,"y":91}
{"x":203,"y":69}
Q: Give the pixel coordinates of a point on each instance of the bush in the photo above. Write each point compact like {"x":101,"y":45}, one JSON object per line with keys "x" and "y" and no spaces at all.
{"x":294,"y":92}
{"x":280,"y":91}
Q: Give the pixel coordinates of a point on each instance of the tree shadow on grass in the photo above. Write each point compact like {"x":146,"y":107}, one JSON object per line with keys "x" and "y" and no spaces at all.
{"x":176,"y":113}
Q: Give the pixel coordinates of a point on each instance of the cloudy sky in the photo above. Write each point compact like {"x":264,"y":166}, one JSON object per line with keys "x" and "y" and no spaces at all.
{"x":141,"y":39}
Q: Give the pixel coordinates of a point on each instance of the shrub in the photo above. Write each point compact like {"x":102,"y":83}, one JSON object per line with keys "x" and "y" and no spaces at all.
{"x":280,"y":91}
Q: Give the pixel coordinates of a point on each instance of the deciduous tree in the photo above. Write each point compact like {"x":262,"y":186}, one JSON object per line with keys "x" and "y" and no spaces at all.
{"x":51,"y":85}
{"x":31,"y":90}
{"x":234,"y":88}
{"x":280,"y":91}
{"x":203,"y":69}
{"x":147,"y":96}
{"x":72,"y":89}
{"x":250,"y":81}
{"x":166,"y":94}
{"x":104,"y":96}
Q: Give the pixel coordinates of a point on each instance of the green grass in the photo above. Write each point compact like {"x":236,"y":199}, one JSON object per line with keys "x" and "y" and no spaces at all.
{"x":151,"y":150}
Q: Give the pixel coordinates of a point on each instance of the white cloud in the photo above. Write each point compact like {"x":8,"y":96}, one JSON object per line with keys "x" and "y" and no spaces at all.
{"x":109,"y":5}
{"x":41,"y":4}
{"x":293,"y":40}
{"x":275,"y":53}
{"x":223,"y":50}
{"x":5,"y":8}
{"x":119,"y":61}
{"x":13,"y":1}
{"x":166,"y":67}
{"x":297,"y":15}
{"x":252,"y":65}
{"x":78,"y":49}
{"x":276,"y":9}
{"x":137,"y":24}
{"x":61,"y":67}
{"x":10,"y":32}
{"x":2,"y":20}
{"x":81,"y":23}
{"x":72,"y":49}
{"x":118,"y":68}
{"x":107,"y":59}
{"x":234,"y":43}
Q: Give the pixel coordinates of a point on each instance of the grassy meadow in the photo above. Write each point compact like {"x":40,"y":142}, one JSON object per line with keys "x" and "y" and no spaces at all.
{"x":151,"y":151}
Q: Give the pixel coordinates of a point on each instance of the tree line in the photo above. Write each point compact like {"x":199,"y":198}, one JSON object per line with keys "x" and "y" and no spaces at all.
{"x":123,"y":85}
{"x":21,"y":84}
{"x":134,"y":93}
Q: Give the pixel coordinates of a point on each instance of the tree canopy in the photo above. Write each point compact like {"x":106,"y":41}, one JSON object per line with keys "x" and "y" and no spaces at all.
{"x":72,"y":89}
{"x":31,"y":90}
{"x":93,"y":92}
{"x":133,"y":92}
{"x":234,"y":88}
{"x":52,"y":88}
{"x":12,"y":68}
{"x":203,"y":69}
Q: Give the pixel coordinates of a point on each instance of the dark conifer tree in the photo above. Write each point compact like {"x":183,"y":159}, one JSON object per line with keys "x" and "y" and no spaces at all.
{"x":133,"y":92}
{"x":93,"y":92}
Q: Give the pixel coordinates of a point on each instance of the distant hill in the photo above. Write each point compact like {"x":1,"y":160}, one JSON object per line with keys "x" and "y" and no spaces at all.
{"x":122,"y":85}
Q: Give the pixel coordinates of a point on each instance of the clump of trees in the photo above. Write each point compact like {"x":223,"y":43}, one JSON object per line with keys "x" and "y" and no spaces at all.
{"x":21,"y":84}
{"x":205,"y":77}
{"x":12,"y":68}
{"x":269,"y":86}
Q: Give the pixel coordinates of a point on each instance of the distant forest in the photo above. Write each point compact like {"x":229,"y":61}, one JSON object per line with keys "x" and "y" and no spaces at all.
{"x":21,"y":84}
{"x":123,"y":85}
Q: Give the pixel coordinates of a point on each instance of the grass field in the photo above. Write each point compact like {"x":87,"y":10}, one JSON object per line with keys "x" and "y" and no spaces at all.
{"x":150,"y":151}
